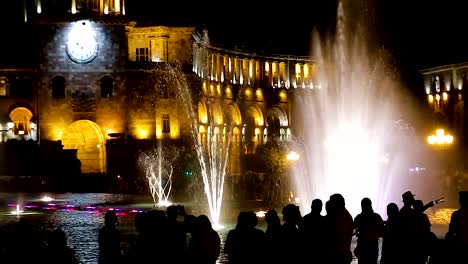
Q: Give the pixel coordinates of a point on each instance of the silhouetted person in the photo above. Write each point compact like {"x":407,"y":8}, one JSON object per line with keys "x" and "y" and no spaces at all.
{"x":109,"y":240}
{"x":341,"y":231}
{"x":391,"y":236}
{"x":245,"y":243}
{"x":314,"y":227}
{"x":292,"y":236}
{"x":458,"y":229}
{"x":423,"y":234}
{"x":273,"y":237}
{"x":58,"y":251}
{"x":205,"y":243}
{"x":369,"y":228}
{"x":408,"y":230}
{"x":176,"y":232}
{"x":24,"y":244}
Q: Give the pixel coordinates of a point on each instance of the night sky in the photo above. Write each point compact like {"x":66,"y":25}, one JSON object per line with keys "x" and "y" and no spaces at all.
{"x":418,"y":33}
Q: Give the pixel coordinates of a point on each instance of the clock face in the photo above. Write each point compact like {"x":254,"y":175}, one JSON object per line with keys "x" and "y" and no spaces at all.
{"x":82,"y":46}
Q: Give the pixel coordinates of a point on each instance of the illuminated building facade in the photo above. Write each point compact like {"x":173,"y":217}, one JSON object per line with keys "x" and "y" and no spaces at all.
{"x":445,"y":89}
{"x":97,"y":78}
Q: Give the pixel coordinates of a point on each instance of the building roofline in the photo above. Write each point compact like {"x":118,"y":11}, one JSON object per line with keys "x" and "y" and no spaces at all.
{"x":444,"y":68}
{"x":246,"y":53}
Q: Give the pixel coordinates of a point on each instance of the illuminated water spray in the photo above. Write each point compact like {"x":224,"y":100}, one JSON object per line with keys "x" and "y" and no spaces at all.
{"x":211,"y":139}
{"x":158,"y":171}
{"x":352,"y":143}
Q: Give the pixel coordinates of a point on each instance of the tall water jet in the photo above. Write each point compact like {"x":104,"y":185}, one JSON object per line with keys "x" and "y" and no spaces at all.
{"x":158,"y":171}
{"x":352,"y":137}
{"x":211,"y":136}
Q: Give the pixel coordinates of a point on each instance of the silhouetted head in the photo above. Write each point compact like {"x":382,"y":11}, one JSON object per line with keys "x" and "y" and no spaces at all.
{"x":316,"y":206}
{"x":366,"y":205}
{"x":337,"y":200}
{"x":272,"y":218}
{"x":252,"y":219}
{"x":418,"y":206}
{"x":392,"y":210}
{"x":242,"y":220}
{"x":110,"y":218}
{"x":408,"y":198}
{"x":291,"y":213}
{"x":203,"y":221}
{"x":172,"y":212}
{"x":463,"y":199}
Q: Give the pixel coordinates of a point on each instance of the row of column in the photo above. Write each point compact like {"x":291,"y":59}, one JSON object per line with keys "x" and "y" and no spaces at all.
{"x":248,"y":71}
{"x":103,"y":6}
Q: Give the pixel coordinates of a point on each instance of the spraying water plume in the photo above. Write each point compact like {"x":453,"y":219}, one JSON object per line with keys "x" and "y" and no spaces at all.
{"x":354,"y":143}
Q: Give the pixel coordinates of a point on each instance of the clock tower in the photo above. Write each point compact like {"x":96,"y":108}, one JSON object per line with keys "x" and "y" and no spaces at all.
{"x":81,"y":56}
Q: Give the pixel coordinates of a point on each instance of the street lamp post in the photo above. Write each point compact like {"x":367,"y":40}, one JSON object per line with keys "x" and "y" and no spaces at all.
{"x":442,"y":141}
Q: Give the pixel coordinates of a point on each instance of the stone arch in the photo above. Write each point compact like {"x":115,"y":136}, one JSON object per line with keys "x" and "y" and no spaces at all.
{"x":276,"y":118}
{"x":58,"y":86}
{"x":253,"y":117}
{"x":202,"y":112}
{"x":232,"y":115}
{"x":21,"y":117}
{"x":86,"y":137}
{"x":216,"y":113}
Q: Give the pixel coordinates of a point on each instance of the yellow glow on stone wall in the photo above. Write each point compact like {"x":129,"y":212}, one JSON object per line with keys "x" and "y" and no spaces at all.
{"x":260,"y":121}
{"x":205,"y":92}
{"x":283,"y":96}
{"x":259,"y":94}
{"x":57,"y":132}
{"x":117,"y":6}
{"x":86,"y":137}
{"x":430,"y":98}
{"x":142,"y":133}
{"x":228,"y":92}
{"x":306,"y":71}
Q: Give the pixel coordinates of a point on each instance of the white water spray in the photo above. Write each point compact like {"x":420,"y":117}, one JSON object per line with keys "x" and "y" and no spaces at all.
{"x":353,"y":144}
{"x":158,"y":171}
{"x":211,"y":142}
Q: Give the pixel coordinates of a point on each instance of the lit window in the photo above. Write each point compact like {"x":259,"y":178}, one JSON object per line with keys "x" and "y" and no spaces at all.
{"x":58,"y":87}
{"x":3,"y":87}
{"x":166,"y":128}
{"x":142,"y":54}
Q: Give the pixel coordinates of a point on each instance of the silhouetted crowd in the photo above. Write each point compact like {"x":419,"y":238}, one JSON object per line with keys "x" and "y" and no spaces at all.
{"x":406,"y":237}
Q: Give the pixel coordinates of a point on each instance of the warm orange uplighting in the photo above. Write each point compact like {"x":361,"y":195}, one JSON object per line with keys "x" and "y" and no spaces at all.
{"x":440,"y":138}
{"x":142,"y":133}
{"x":430,"y":98}
{"x":445,"y":96}
{"x":283,"y":96}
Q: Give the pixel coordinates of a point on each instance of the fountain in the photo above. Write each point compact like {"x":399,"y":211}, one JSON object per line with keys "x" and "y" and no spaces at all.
{"x":211,"y":140}
{"x":354,"y":142}
{"x":158,"y":171}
